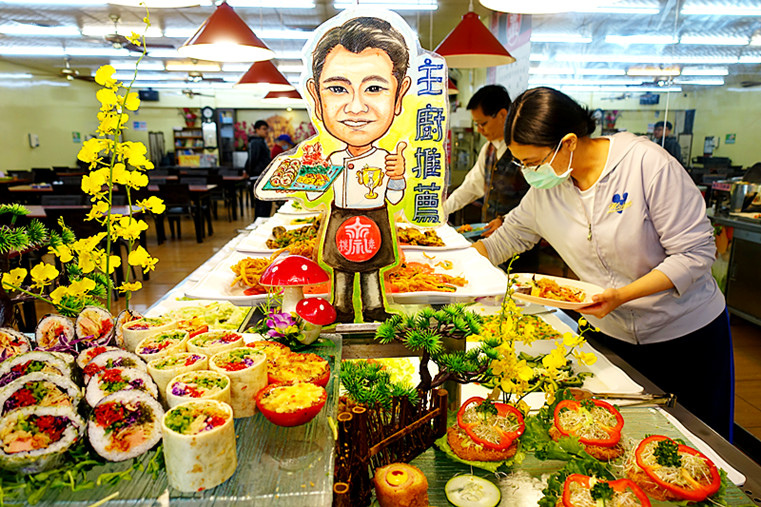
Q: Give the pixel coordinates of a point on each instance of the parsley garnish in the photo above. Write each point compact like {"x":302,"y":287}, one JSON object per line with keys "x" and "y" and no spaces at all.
{"x":667,"y":454}
{"x":487,"y":408}
{"x":601,"y":491}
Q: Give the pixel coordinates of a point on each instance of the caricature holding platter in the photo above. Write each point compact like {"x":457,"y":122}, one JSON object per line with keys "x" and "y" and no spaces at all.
{"x":379,"y":105}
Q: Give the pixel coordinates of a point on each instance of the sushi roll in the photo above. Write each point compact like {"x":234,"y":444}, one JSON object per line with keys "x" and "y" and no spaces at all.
{"x":31,"y":362}
{"x":113,"y":359}
{"x":137,"y":330}
{"x":89,"y":354}
{"x":166,"y":368}
{"x":247,"y":369}
{"x":34,"y":439}
{"x":12,"y":343}
{"x":199,"y":445}
{"x":162,"y":344}
{"x":124,"y":425}
{"x":208,"y":385}
{"x":41,"y":389}
{"x":121,"y":319}
{"x":55,"y":332}
{"x":215,"y":341}
{"x":94,"y":326}
{"x":118,"y":379}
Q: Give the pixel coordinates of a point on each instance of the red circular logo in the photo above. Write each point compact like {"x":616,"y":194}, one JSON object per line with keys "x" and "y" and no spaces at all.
{"x":358,"y":239}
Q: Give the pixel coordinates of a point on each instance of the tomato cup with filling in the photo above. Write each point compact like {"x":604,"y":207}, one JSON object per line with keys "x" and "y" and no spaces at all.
{"x":582,"y":490}
{"x":667,"y":470}
{"x":597,"y":425}
{"x":273,"y":350}
{"x":493,"y":425}
{"x":291,"y":404}
{"x":300,"y":368}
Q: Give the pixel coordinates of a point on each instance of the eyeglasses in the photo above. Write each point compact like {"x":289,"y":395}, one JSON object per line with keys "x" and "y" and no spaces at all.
{"x":482,"y":124}
{"x":533,"y":167}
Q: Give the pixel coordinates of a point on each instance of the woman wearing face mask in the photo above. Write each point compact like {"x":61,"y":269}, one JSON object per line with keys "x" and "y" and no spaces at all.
{"x":624,"y":215}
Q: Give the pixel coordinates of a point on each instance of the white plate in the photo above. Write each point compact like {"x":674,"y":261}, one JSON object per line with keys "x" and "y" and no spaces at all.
{"x":451,"y":238}
{"x":289,"y":209}
{"x":256,"y":241}
{"x":525,"y":279}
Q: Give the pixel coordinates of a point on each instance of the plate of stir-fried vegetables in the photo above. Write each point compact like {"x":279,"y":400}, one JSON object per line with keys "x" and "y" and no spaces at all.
{"x":554,"y":291}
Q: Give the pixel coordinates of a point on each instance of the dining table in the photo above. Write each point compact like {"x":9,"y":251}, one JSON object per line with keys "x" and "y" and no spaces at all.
{"x":198,"y":194}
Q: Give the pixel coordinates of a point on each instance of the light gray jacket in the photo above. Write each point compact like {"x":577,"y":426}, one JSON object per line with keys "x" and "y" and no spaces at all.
{"x":647,"y":214}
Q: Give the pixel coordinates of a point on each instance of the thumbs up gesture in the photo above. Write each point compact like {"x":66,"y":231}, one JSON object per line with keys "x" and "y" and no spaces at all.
{"x":395,"y":162}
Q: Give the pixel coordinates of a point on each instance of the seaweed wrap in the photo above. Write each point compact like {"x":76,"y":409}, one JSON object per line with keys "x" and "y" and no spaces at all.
{"x":94,"y":326}
{"x":211,"y":342}
{"x":199,"y":445}
{"x":34,"y":439}
{"x":208,"y":385}
{"x":121,"y":319}
{"x":118,"y":379}
{"x":162,"y":344}
{"x":41,"y":389}
{"x":31,"y":362}
{"x":136,"y":331}
{"x":90,"y":353}
{"x":164,"y":369}
{"x":55,"y":332}
{"x":12,"y":343}
{"x":113,"y":359}
{"x":247,"y":369}
{"x":124,"y":425}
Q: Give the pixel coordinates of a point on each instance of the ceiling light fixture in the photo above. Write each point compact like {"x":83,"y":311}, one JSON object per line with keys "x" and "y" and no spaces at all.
{"x":142,"y":66}
{"x":705,"y":71}
{"x":573,"y":38}
{"x":471,"y":45}
{"x":624,"y":89}
{"x":544,"y":71}
{"x":717,"y":81}
{"x":651,"y":70}
{"x":545,"y":81}
{"x":540,"y":6}
{"x":21,"y":29}
{"x":15,"y":75}
{"x":225,"y":37}
{"x":274,"y":4}
{"x":451,"y":87}
{"x":264,"y":74}
{"x":286,"y":95}
{"x":641,"y":7}
{"x":641,"y":59}
{"x":91,"y":30}
{"x":272,"y":34}
{"x":193,"y":66}
{"x":721,"y":9}
{"x":413,"y":5}
{"x":654,"y":39}
{"x":67,"y":3}
{"x":160,"y":4}
{"x":750,"y":59}
{"x":714,"y":40}
{"x":61,"y":51}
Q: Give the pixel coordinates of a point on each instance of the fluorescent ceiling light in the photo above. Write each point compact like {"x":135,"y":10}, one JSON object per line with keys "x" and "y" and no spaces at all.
{"x":575,"y":71}
{"x":543,"y":6}
{"x":148,"y":76}
{"x":561,"y":38}
{"x":714,"y":40}
{"x":544,"y":81}
{"x":722,"y":9}
{"x":189,"y":67}
{"x":624,"y":8}
{"x":412,"y":5}
{"x":60,"y":51}
{"x":17,"y":75}
{"x":161,"y":4}
{"x":538,"y":57}
{"x":144,"y":65}
{"x":163,"y":53}
{"x":653,"y":71}
{"x":40,"y":31}
{"x":625,"y":40}
{"x":292,"y":69}
{"x":750,"y":59}
{"x":643,"y":59}
{"x":625,"y":89}
{"x":68,"y":3}
{"x":705,"y":71}
{"x":276,"y":4}
{"x":272,"y":34}
{"x":717,"y":81}
{"x":122,"y":29}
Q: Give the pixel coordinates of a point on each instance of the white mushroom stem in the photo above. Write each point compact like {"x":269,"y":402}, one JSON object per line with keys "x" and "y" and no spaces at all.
{"x":291,"y":297}
{"x":310,"y":334}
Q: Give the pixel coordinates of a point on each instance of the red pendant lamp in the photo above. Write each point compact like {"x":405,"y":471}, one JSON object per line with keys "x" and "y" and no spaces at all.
{"x":291,"y":94}
{"x":225,"y":37}
{"x":471,"y":45}
{"x":264,"y":74}
{"x":451,"y":87}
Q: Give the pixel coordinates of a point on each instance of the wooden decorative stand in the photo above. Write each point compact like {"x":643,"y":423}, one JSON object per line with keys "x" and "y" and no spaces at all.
{"x":372,"y":437}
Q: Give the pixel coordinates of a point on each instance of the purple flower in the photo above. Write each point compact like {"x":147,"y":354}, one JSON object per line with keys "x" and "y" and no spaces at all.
{"x":279,"y":323}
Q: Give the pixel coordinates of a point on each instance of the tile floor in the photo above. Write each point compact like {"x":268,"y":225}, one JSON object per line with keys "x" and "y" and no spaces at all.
{"x":179,"y":257}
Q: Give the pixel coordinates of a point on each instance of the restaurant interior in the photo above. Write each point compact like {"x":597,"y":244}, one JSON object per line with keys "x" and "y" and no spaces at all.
{"x":693,"y":63}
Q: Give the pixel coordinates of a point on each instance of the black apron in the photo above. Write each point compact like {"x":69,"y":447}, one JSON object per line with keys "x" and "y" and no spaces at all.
{"x":505,"y":186}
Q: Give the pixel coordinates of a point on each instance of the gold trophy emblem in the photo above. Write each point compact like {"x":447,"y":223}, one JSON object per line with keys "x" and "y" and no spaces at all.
{"x":371,"y":178}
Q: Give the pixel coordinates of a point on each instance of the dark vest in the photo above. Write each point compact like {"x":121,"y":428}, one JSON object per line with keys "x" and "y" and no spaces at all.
{"x":505,"y":186}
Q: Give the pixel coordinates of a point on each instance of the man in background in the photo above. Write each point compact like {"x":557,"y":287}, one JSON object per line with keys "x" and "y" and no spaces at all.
{"x":669,"y":143}
{"x":493,"y":177}
{"x":282,"y":143}
{"x":258,"y":159}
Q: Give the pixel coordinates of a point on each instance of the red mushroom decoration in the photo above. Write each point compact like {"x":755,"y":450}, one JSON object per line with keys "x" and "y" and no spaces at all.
{"x":315,"y":312}
{"x":291,"y":273}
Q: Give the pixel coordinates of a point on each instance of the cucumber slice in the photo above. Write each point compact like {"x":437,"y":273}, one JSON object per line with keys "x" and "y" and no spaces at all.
{"x":472,"y":491}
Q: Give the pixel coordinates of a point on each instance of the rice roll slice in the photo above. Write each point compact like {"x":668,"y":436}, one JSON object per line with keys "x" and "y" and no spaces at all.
{"x":209,"y":385}
{"x":247,"y":369}
{"x":121,"y":319}
{"x":118,"y":379}
{"x":113,"y":359}
{"x":31,"y":362}
{"x":162,"y":344}
{"x":137,"y":330}
{"x":35,"y":439}
{"x":199,"y":445}
{"x":124,"y":425}
{"x":211,"y":342}
{"x":55,"y":332}
{"x":94,"y":326}
{"x":42,"y":389}
{"x":164,"y":369}
{"x":90,"y":353}
{"x":12,"y":343}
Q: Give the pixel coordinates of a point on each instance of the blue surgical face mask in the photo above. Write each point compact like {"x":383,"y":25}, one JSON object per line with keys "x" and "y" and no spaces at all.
{"x":544,"y":176}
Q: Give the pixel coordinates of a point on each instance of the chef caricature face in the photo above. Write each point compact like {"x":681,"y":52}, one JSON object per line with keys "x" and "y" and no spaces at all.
{"x":359,"y":81}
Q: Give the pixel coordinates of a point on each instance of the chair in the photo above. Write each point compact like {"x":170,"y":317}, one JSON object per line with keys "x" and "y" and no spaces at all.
{"x":43,"y":175}
{"x":179,"y":204}
{"x":68,"y":189}
{"x":21,"y":174}
{"x":61,"y":200}
{"x":194,"y":180}
{"x":70,"y":180}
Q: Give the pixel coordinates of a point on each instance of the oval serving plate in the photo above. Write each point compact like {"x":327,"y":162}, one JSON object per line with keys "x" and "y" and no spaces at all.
{"x":520,"y":280}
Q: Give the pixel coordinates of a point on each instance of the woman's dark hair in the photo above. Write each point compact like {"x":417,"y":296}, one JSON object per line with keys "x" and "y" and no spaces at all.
{"x":543,"y":116}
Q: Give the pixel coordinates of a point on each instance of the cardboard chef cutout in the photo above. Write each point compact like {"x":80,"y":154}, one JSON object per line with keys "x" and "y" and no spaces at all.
{"x":379,"y":105}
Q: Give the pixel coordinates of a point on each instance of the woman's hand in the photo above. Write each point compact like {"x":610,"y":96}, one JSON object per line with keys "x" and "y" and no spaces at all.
{"x":604,"y":303}
{"x":610,"y":299}
{"x":493,"y":226}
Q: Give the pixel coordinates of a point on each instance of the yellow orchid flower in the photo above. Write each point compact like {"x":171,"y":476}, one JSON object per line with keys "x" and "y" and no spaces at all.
{"x":14,"y":277}
{"x":97,"y":211}
{"x":87,"y":245}
{"x":58,"y":294}
{"x":107,"y":98}
{"x":92,"y":183}
{"x":104,"y":76}
{"x":137,"y":180}
{"x":110,"y":122}
{"x":63,"y":253}
{"x":131,"y":101}
{"x":572,"y":340}
{"x":154,"y":205}
{"x":587,"y":358}
{"x":129,"y":228}
{"x":120,"y":174}
{"x":524,"y":371}
{"x":43,"y":274}
{"x":86,"y":262}
{"x":114,"y":261}
{"x":135,"y":38}
{"x":130,"y":286}
{"x":81,"y":287}
{"x":555,"y":359}
{"x":140,"y":257}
